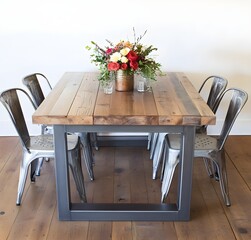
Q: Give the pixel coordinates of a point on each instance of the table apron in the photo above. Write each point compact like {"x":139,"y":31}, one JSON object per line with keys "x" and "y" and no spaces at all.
{"x":122,"y":128}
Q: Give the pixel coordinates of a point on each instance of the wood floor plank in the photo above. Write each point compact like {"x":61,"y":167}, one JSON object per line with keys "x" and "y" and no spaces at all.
{"x":103,"y":191}
{"x":208,"y":211}
{"x":100,"y":230}
{"x":123,"y":174}
{"x":153,"y":186}
{"x":7,"y":144}
{"x":137,"y":176}
{"x":104,"y":169}
{"x":67,"y":230}
{"x":8,"y":190}
{"x":122,"y":231}
{"x":153,"y":230}
{"x":239,"y":214}
{"x":34,"y":218}
{"x":238,"y":149}
{"x":122,"y":193}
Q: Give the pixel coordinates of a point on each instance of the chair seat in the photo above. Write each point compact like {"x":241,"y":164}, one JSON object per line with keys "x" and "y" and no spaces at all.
{"x":201,"y":142}
{"x":46,"y":143}
{"x":205,"y":142}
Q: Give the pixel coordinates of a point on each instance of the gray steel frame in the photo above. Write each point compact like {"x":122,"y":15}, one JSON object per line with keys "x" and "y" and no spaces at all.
{"x":179,"y":211}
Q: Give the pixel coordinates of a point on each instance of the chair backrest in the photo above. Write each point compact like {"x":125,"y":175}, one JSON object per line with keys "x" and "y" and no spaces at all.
{"x":237,"y":102}
{"x":10,"y":100}
{"x":34,"y":87}
{"x":218,"y":86}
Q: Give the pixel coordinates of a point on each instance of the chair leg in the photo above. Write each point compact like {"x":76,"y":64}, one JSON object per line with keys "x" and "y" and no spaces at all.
{"x":165,"y":154}
{"x":33,"y":169}
{"x":149,"y":138}
{"x":74,"y":161}
{"x":39,"y":165}
{"x":44,"y":130}
{"x":94,"y":140}
{"x":22,"y":176}
{"x":87,"y":153}
{"x":209,"y":168}
{"x":153,"y":144}
{"x":221,"y":167}
{"x":170,"y":163}
{"x":158,"y":153}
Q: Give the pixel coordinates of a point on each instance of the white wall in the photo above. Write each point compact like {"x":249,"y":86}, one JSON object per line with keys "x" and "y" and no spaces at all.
{"x":197,"y":37}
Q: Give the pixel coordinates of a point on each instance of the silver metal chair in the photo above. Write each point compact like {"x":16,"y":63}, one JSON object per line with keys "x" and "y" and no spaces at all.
{"x":35,"y":147}
{"x":210,"y":147}
{"x":33,"y":85}
{"x":218,"y":85}
{"x":32,"y":82}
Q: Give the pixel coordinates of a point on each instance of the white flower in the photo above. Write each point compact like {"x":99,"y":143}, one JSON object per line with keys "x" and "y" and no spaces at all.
{"x":125,"y":51}
{"x":124,"y":59}
{"x":115,"y":57}
{"x":143,"y":48}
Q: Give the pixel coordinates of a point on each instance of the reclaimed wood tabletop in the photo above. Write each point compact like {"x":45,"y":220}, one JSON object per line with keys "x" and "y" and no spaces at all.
{"x":78,"y":99}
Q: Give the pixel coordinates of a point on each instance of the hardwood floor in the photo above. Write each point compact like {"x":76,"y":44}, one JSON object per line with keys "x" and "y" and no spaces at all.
{"x":123,"y":174}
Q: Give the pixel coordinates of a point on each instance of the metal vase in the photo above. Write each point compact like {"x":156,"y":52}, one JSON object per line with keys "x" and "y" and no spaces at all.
{"x":124,"y":82}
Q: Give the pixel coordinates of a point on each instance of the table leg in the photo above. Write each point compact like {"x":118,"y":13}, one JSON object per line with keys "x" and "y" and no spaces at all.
{"x":186,"y":171}
{"x":61,"y":173}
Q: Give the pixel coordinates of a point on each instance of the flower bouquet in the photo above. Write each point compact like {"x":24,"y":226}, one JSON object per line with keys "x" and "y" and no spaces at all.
{"x":125,"y":58}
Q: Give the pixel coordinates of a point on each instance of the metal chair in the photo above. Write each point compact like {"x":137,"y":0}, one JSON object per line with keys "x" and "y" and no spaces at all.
{"x":218,"y":85}
{"x":35,"y":147}
{"x":32,"y":82}
{"x":210,"y":147}
{"x":33,"y":85}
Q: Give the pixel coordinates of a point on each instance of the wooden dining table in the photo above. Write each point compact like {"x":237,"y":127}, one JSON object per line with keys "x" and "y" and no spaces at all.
{"x":78,"y":103}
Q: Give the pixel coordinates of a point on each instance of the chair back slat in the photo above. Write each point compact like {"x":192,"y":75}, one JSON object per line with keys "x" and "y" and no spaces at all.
{"x":218,"y":86}
{"x":33,"y":85}
{"x":11,"y":102}
{"x":237,"y":102}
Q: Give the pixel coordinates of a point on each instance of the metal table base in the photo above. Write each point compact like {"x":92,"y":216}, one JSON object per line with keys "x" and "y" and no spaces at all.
{"x":179,"y":211}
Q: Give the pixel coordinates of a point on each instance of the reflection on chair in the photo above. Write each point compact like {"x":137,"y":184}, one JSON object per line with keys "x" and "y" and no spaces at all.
{"x":218,"y":85}
{"x":32,"y":82}
{"x":34,"y":87}
{"x":209,"y":147}
{"x":35,"y":147}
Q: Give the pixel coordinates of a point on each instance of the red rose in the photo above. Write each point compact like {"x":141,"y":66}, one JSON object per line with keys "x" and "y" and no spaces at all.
{"x":134,"y":65}
{"x":132,"y":56}
{"x":108,"y":51}
{"x":123,"y":66}
{"x":112,"y":66}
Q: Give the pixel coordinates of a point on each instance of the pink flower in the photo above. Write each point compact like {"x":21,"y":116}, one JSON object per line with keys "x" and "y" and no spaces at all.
{"x":109,"y":51}
{"x":113,"y":66}
{"x":132,"y":56}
